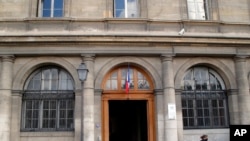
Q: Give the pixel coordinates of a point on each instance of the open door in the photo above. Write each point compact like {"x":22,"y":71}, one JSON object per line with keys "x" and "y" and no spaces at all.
{"x":128,"y":120}
{"x":127,"y":115}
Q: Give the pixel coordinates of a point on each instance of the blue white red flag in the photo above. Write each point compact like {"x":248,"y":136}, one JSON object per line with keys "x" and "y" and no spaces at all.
{"x":127,"y":81}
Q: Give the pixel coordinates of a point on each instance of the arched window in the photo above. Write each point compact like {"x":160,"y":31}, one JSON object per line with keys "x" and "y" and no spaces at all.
{"x":48,"y":101}
{"x":204,"y":100}
{"x":116,"y":80}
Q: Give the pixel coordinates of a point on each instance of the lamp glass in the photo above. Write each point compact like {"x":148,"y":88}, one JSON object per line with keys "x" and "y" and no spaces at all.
{"x":82,"y":72}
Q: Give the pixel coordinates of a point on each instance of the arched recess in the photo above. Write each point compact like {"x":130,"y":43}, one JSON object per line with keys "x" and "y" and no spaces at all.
{"x":138,"y":62}
{"x":24,"y":72}
{"x":223,"y":70}
{"x":117,"y":94}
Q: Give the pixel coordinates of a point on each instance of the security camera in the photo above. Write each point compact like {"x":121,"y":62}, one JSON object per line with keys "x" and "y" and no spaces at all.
{"x":182,"y":31}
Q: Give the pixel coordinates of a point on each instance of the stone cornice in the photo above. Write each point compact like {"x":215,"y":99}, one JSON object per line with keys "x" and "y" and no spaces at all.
{"x":63,"y":38}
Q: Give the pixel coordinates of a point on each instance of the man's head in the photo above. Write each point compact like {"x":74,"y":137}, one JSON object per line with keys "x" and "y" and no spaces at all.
{"x":203,"y":137}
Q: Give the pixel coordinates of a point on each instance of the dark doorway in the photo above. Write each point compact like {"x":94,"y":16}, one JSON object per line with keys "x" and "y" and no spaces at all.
{"x":128,"y":120}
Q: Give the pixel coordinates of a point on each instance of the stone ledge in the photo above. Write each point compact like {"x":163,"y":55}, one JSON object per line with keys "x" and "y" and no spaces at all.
{"x":47,"y":134}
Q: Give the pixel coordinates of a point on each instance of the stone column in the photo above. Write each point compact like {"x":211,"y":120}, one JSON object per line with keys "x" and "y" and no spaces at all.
{"x":170,"y":125}
{"x":98,"y":114}
{"x":243,"y":89}
{"x":88,"y":100}
{"x":78,"y":115}
{"x":233,"y":106}
{"x":179,"y":114}
{"x":159,"y":114}
{"x":5,"y":97}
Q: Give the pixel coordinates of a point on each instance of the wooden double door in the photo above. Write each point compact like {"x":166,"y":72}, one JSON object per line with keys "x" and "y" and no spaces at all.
{"x":128,"y":117}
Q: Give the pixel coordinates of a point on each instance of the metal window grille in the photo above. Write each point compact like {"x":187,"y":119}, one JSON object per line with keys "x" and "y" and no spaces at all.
{"x":48,"y":110}
{"x":204,"y":102}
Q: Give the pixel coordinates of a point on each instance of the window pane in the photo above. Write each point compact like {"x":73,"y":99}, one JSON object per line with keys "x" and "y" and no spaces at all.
{"x":28,"y":104}
{"x":58,"y":13}
{"x":45,"y":113}
{"x":207,"y":122}
{"x":35,"y":123}
{"x":58,"y":4}
{"x":70,"y":123}
{"x":190,"y":103}
{"x":200,"y":122}
{"x":70,"y":104}
{"x":142,"y":81}
{"x":70,"y":114}
{"x":28,"y":123}
{"x":191,"y":121}
{"x":62,"y":104}
{"x":108,"y":85}
{"x":114,"y":84}
{"x":132,"y":9}
{"x":52,"y":123}
{"x":62,"y":123}
{"x":53,"y":114}
{"x":70,"y":84}
{"x":119,"y":6}
{"x":190,"y":112}
{"x":46,"y":4}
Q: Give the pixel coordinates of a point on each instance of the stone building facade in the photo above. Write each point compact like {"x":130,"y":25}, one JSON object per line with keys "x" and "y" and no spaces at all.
{"x":188,"y":62}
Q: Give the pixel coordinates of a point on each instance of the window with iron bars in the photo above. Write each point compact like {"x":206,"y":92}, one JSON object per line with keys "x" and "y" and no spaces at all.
{"x":204,"y":99}
{"x":48,"y":101}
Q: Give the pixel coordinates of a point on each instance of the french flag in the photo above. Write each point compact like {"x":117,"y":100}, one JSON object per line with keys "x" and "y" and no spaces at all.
{"x":127,"y":81}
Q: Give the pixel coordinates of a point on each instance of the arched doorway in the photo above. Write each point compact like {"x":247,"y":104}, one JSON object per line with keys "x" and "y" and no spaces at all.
{"x":127,"y":115}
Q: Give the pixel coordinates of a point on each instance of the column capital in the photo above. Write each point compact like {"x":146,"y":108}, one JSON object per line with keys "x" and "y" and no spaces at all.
{"x":167,"y":57}
{"x":158,"y":91}
{"x":88,"y":57}
{"x":178,"y":91}
{"x":240,"y":58}
{"x":232,"y":92}
{"x":7,"y":58}
{"x":98,"y":92}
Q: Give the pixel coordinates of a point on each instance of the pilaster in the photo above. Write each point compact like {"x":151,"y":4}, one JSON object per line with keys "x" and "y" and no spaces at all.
{"x":159,"y":114}
{"x":170,"y":124}
{"x":88,"y":99}
{"x":98,"y":114}
{"x":243,"y":89}
{"x":5,"y":94}
{"x":179,"y":114}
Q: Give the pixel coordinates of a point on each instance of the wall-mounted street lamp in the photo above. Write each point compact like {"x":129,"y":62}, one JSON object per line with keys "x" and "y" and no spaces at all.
{"x":82,"y":72}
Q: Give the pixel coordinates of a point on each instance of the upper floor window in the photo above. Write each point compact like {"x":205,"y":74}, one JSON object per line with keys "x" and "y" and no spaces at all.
{"x":204,"y":99}
{"x":198,"y":9}
{"x":48,"y":101}
{"x":126,"y":9}
{"x":51,"y":8}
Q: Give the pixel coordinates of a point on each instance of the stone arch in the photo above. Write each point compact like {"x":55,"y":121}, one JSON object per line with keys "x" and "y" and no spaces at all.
{"x":218,"y":66}
{"x":25,"y":71}
{"x":138,"y":62}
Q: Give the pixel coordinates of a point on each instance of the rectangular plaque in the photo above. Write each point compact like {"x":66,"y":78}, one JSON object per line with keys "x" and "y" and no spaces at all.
{"x":171,"y":111}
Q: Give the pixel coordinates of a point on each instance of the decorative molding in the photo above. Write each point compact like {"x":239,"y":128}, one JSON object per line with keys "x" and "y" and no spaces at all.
{"x":167,"y":57}
{"x":88,"y":57}
{"x":8,"y":58}
{"x":158,"y":91}
{"x":232,"y":92}
{"x":178,"y":91}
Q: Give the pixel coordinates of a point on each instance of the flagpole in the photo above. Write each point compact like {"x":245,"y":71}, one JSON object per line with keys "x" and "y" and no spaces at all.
{"x":127,"y":84}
